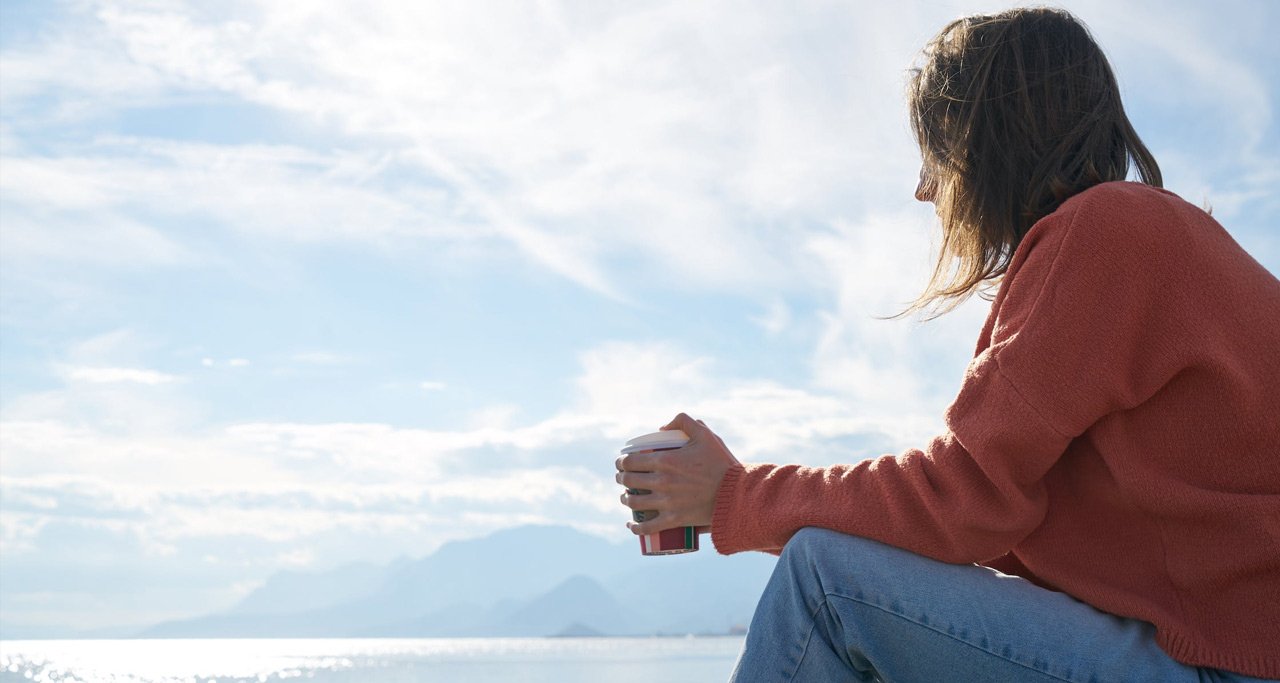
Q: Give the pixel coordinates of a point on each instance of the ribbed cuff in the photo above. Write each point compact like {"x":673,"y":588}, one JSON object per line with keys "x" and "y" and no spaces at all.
{"x":724,"y":524}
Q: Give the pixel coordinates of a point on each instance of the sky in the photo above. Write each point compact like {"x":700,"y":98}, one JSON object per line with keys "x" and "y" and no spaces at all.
{"x":292,"y":285}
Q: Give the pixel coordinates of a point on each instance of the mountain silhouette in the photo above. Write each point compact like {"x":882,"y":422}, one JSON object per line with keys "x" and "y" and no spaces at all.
{"x":523,"y":581}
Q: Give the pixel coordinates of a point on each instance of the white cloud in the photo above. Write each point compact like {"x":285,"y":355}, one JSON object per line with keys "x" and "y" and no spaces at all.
{"x":284,"y":481}
{"x":623,"y":382}
{"x":585,"y":141}
{"x":99,"y":375}
{"x":83,"y":60}
{"x":530,"y":489}
{"x":433,"y":386}
{"x":105,"y":383}
{"x":776,"y":317}
{"x":1196,"y":63}
{"x":267,"y":190}
{"x":19,"y":532}
{"x":601,"y":145}
{"x":295,"y":558}
{"x":33,"y":240}
{"x":118,"y":343}
{"x":875,"y":268}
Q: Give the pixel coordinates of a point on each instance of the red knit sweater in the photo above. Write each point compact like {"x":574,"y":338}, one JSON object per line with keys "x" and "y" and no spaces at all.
{"x":1116,"y":437}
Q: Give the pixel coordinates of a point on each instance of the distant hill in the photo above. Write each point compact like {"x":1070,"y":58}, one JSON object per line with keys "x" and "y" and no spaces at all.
{"x":293,"y":591}
{"x":525,"y":581}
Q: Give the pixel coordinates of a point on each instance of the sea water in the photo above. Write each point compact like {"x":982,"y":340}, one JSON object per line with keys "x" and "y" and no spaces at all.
{"x":427,"y":660}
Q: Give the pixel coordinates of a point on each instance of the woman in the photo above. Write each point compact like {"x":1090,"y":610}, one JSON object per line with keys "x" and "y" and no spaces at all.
{"x":1105,"y":502}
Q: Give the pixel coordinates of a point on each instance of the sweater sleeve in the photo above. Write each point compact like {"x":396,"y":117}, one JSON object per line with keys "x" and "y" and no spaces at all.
{"x":1061,"y":350}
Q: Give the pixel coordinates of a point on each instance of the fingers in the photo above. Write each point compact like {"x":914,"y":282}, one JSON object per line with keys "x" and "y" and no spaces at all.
{"x":686,"y":424}
{"x":640,"y":501}
{"x":638,"y":480}
{"x":653,"y":526}
{"x":641,"y":462}
{"x":663,"y":521}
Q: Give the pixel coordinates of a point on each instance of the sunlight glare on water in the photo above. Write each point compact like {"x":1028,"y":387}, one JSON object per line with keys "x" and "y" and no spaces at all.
{"x":369,"y":660}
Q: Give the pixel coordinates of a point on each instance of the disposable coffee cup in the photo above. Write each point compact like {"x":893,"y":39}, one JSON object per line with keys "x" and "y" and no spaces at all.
{"x":672,"y":541}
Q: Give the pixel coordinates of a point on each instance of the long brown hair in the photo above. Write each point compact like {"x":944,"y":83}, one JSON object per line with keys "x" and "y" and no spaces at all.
{"x":1014,"y":113}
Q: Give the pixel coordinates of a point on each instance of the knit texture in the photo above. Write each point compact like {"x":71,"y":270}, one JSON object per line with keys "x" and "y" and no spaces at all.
{"x":1116,"y":437}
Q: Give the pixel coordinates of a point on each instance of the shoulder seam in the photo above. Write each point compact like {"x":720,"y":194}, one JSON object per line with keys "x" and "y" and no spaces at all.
{"x":1022,"y":397}
{"x":1053,"y":265}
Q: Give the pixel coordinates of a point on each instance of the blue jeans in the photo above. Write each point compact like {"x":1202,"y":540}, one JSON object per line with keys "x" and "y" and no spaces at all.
{"x":842,"y":608}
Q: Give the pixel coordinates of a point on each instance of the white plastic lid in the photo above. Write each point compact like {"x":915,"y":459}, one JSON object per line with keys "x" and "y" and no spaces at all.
{"x":672,"y":438}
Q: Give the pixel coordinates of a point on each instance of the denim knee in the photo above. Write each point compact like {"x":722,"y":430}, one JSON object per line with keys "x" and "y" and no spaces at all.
{"x":810,"y":541}
{"x":817,"y":551}
{"x":814,"y":544}
{"x":852,"y":563}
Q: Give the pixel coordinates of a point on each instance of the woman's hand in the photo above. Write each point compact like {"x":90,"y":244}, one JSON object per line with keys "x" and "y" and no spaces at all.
{"x":682,"y":483}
